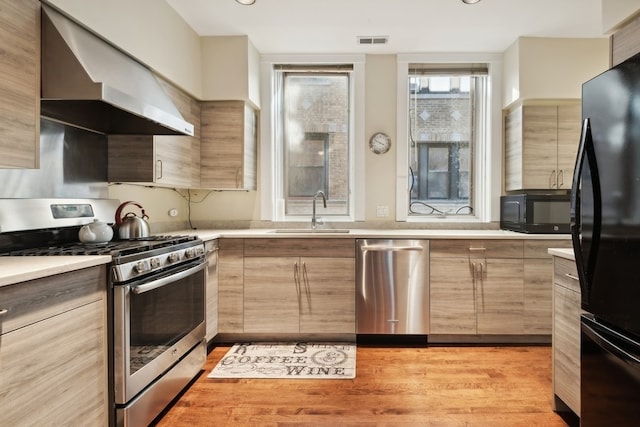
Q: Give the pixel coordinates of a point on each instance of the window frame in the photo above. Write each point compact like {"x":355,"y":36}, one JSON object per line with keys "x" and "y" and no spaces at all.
{"x":487,"y":170}
{"x":271,"y":155}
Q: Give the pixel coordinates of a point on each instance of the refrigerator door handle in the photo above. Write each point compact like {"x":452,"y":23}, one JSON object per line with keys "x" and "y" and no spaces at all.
{"x":586,"y":152}
{"x":574,"y":208}
{"x":607,"y":341}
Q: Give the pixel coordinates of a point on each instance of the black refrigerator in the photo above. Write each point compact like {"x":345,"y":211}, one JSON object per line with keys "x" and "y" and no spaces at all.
{"x":605,"y":229}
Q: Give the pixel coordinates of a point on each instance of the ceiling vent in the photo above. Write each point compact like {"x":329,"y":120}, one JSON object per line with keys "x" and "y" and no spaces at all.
{"x":373,"y":40}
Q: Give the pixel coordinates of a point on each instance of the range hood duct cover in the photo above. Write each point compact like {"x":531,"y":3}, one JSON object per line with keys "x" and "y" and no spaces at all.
{"x":88,"y":83}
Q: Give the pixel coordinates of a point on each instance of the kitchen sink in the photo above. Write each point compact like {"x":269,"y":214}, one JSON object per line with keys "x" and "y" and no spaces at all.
{"x":311,"y":231}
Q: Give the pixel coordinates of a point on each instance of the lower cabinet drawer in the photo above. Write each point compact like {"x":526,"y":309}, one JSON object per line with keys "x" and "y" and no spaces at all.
{"x":29,"y":302}
{"x":565,"y":274}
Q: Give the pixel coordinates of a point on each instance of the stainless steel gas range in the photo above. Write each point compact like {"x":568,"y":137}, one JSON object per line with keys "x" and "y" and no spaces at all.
{"x":156,"y":295}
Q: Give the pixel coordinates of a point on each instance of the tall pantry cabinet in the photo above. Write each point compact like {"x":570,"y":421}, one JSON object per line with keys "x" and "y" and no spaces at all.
{"x":20,"y":83}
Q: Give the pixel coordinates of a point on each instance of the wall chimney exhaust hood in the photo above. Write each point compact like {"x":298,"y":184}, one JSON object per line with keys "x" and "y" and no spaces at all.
{"x":88,"y":83}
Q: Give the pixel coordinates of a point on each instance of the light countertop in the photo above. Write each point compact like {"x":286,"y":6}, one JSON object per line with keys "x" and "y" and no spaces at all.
{"x":205,"y":234}
{"x":562,"y":253}
{"x":18,"y":269}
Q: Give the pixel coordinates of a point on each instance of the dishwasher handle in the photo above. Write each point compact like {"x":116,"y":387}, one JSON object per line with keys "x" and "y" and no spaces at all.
{"x":385,"y":248}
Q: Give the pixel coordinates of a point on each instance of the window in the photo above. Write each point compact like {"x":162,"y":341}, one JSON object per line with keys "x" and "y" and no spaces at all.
{"x":445,"y":105}
{"x":313,"y":115}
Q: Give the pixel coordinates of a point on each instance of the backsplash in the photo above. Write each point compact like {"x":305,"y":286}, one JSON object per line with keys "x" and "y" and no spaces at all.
{"x":73,"y":164}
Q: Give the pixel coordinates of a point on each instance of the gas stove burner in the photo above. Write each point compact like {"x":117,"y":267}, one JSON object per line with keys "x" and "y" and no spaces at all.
{"x":114,"y":248}
{"x":73,"y":249}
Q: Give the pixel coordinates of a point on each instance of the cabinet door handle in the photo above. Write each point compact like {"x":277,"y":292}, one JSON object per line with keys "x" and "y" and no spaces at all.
{"x":158,"y":169}
{"x":474,"y":270}
{"x":552,"y":179}
{"x":475,"y":291}
{"x":481,"y":268}
{"x":296,"y":279}
{"x":571,"y":276}
{"x":560,"y":178}
{"x":4,"y":311}
{"x":307,"y":285}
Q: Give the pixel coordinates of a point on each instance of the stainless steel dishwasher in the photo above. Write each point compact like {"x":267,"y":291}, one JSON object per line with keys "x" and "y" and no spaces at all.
{"x":392,"y":280}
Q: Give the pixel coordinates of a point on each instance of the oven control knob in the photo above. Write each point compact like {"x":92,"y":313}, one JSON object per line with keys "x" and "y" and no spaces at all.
{"x":155,"y":263}
{"x":142,"y":267}
{"x":174,"y":257}
{"x":189,"y":253}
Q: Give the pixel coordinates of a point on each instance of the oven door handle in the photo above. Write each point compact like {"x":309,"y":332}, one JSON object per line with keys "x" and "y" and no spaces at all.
{"x":140,"y":289}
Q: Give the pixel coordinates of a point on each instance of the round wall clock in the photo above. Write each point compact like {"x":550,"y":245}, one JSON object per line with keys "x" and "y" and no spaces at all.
{"x":380,"y":143}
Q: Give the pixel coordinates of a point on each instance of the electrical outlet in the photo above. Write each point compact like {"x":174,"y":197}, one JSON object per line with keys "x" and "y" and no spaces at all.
{"x":382,"y":211}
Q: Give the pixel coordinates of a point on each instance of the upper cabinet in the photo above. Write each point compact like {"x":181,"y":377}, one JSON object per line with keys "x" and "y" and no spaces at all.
{"x":20,"y":83}
{"x":228,"y":145}
{"x":229,"y":113}
{"x":161,"y":160}
{"x":626,"y":41}
{"x":222,"y":157}
{"x":164,"y":161}
{"x":540,"y":146}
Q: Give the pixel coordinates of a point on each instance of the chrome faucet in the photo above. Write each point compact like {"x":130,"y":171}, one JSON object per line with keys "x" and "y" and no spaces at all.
{"x":315,"y":221}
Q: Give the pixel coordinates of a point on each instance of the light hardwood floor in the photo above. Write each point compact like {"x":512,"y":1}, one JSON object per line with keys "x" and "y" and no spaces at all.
{"x":394,"y":386}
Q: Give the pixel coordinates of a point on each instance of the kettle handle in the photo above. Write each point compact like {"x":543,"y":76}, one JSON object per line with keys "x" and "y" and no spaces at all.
{"x":122,"y":206}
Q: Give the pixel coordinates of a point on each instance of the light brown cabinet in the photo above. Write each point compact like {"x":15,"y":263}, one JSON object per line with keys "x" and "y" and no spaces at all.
{"x":492,"y":287}
{"x":211,"y":250}
{"x":160,"y":160}
{"x":53,"y":352}
{"x":299,"y":286}
{"x":230,"y":286}
{"x":20,"y":84}
{"x":306,"y":295}
{"x":228,"y":145}
{"x":566,"y":335}
{"x":540,"y":146}
{"x":452,"y":296}
{"x":538,"y":289}
{"x":283,"y":286}
{"x":272,"y":294}
{"x":626,"y":41}
{"x":476,"y":287}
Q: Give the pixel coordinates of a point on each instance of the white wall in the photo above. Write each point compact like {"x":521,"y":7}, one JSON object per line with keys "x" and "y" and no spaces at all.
{"x":511,"y":74}
{"x":552,"y":68}
{"x":156,"y":202}
{"x":616,"y":12}
{"x":380,"y":116}
{"x":149,"y":30}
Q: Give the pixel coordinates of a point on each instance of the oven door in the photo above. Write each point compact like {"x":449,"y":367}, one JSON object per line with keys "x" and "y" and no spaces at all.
{"x":156,"y":322}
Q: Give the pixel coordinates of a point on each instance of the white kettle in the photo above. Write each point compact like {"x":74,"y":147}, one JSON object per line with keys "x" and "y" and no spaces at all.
{"x":95,"y":232}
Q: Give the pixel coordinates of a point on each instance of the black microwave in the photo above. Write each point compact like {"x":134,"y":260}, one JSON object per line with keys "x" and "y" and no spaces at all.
{"x":535,"y":213}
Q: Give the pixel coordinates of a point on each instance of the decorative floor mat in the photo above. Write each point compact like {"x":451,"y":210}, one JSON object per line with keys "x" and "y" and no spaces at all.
{"x":301,"y":360}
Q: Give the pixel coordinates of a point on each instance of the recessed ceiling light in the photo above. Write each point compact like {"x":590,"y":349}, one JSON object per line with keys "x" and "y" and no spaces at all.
{"x":470,"y":1}
{"x":246,"y":2}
